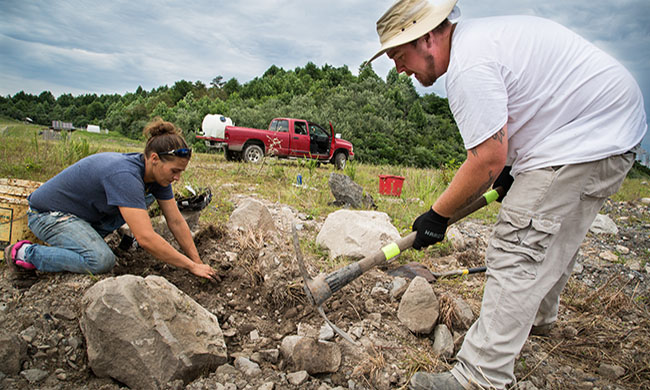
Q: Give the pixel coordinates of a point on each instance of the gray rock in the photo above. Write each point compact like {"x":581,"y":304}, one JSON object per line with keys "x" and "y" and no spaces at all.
{"x":603,"y":225}
{"x":355,"y":234}
{"x":226,"y":369}
{"x":456,"y":238}
{"x":463,"y":313}
{"x":65,"y":313}
{"x":443,"y":342}
{"x":145,"y":332}
{"x":298,"y":378}
{"x":611,"y":371}
{"x":526,"y":385}
{"x":270,"y":355}
{"x":316,"y":357}
{"x":398,"y":286}
{"x":326,"y":333}
{"x":419,"y":308}
{"x":29,"y":334}
{"x":13,"y":352}
{"x":247,"y":367}
{"x":34,"y":375}
{"x":267,"y":386}
{"x":251,"y":214}
{"x":288,"y":345}
{"x":348,"y":193}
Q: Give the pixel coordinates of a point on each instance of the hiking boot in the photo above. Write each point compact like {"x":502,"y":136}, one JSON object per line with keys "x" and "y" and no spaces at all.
{"x":542,"y":330}
{"x":440,"y":381}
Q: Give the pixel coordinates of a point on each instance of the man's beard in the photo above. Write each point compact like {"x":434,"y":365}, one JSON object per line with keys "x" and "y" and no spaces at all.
{"x":427,"y":80}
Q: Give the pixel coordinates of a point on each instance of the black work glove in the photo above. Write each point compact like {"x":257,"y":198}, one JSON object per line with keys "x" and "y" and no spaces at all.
{"x":504,"y":180}
{"x":430,"y":227}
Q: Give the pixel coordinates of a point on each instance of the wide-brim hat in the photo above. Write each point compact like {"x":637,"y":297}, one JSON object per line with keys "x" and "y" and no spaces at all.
{"x":407,"y":20}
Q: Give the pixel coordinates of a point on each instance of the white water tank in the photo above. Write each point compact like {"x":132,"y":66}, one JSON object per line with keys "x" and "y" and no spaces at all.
{"x":214,"y":125}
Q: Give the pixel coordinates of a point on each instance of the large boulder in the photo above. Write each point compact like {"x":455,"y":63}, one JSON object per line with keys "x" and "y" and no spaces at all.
{"x":145,"y":332}
{"x":356,"y":234}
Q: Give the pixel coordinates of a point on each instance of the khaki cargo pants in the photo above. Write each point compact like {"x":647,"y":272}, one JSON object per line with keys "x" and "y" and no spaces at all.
{"x":530,"y":256}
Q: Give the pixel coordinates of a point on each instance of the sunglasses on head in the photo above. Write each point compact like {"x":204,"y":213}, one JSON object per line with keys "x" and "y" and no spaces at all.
{"x":184,"y":152}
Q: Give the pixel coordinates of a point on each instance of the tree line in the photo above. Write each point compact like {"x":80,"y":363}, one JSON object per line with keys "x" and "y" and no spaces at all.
{"x":388,"y":122}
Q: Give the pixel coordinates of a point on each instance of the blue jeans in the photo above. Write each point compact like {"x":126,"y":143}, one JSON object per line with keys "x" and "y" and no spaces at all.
{"x":74,"y":244}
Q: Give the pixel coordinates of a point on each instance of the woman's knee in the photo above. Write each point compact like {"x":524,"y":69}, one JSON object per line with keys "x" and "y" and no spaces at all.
{"x":101,"y":261}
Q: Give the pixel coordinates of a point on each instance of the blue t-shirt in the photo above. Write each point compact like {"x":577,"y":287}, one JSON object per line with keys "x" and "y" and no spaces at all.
{"x":94,"y":187}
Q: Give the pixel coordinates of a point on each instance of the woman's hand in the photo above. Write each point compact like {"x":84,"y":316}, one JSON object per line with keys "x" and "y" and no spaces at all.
{"x":204,"y":271}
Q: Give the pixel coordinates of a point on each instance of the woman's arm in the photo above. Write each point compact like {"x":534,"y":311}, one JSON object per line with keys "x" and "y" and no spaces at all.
{"x":179,"y":228}
{"x":140,"y":225}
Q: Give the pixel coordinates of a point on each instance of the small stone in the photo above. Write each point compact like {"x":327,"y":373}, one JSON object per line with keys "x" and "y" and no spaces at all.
{"x":270,"y":355}
{"x":34,"y":375}
{"x":226,"y":369}
{"x":267,"y":386}
{"x":248,"y":367}
{"x":254,"y":335}
{"x":298,"y":378}
{"x":356,"y":331}
{"x":634,"y":265}
{"x":443,"y":344}
{"x":526,"y":385}
{"x":398,"y":286}
{"x":29,"y":334}
{"x":326,"y":333}
{"x":65,"y":313}
{"x":611,"y":371}
{"x":608,"y":256}
{"x":378,"y":292}
{"x":231,"y":332}
{"x":622,"y":249}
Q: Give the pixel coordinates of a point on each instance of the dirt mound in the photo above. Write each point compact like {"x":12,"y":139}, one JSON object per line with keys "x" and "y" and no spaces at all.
{"x":600,"y":341}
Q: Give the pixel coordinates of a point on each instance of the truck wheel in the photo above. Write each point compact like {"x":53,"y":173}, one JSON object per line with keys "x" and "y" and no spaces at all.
{"x":340,"y":159}
{"x":253,"y":154}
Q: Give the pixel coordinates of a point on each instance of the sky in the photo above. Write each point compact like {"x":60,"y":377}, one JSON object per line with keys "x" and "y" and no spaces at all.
{"x":106,"y":47}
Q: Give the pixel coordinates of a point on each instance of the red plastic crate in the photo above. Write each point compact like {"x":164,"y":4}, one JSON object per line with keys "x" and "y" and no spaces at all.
{"x":390,"y":185}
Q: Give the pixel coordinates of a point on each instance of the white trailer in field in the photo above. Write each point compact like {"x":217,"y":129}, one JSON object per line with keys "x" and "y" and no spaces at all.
{"x":93,"y":129}
{"x":213,"y":129}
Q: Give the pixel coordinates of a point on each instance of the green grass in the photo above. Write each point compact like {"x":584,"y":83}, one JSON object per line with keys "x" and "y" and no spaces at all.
{"x":26,"y":155}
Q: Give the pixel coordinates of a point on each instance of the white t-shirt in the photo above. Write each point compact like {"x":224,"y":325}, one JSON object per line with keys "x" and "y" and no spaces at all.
{"x":564,"y":100}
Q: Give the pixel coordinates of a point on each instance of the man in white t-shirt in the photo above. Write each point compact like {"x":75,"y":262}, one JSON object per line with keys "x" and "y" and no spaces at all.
{"x":528,"y":94}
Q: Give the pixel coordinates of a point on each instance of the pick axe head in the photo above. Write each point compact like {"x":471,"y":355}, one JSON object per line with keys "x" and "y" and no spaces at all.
{"x":309,"y":284}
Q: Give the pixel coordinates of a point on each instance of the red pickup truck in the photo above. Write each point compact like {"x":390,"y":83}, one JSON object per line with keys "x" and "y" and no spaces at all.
{"x":285,"y":138}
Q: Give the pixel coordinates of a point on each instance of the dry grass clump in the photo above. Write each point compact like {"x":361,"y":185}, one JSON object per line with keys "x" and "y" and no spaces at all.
{"x":604,"y":336}
{"x":250,"y":242}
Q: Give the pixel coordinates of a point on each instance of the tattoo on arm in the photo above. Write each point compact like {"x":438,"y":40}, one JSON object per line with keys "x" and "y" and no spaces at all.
{"x":479,"y":192}
{"x":498,"y":136}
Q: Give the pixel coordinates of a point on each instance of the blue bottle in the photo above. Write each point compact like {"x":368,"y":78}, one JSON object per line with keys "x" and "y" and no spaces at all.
{"x":299,"y":180}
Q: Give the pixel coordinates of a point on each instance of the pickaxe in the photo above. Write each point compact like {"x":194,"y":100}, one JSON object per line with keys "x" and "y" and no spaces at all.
{"x":321,"y":288}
